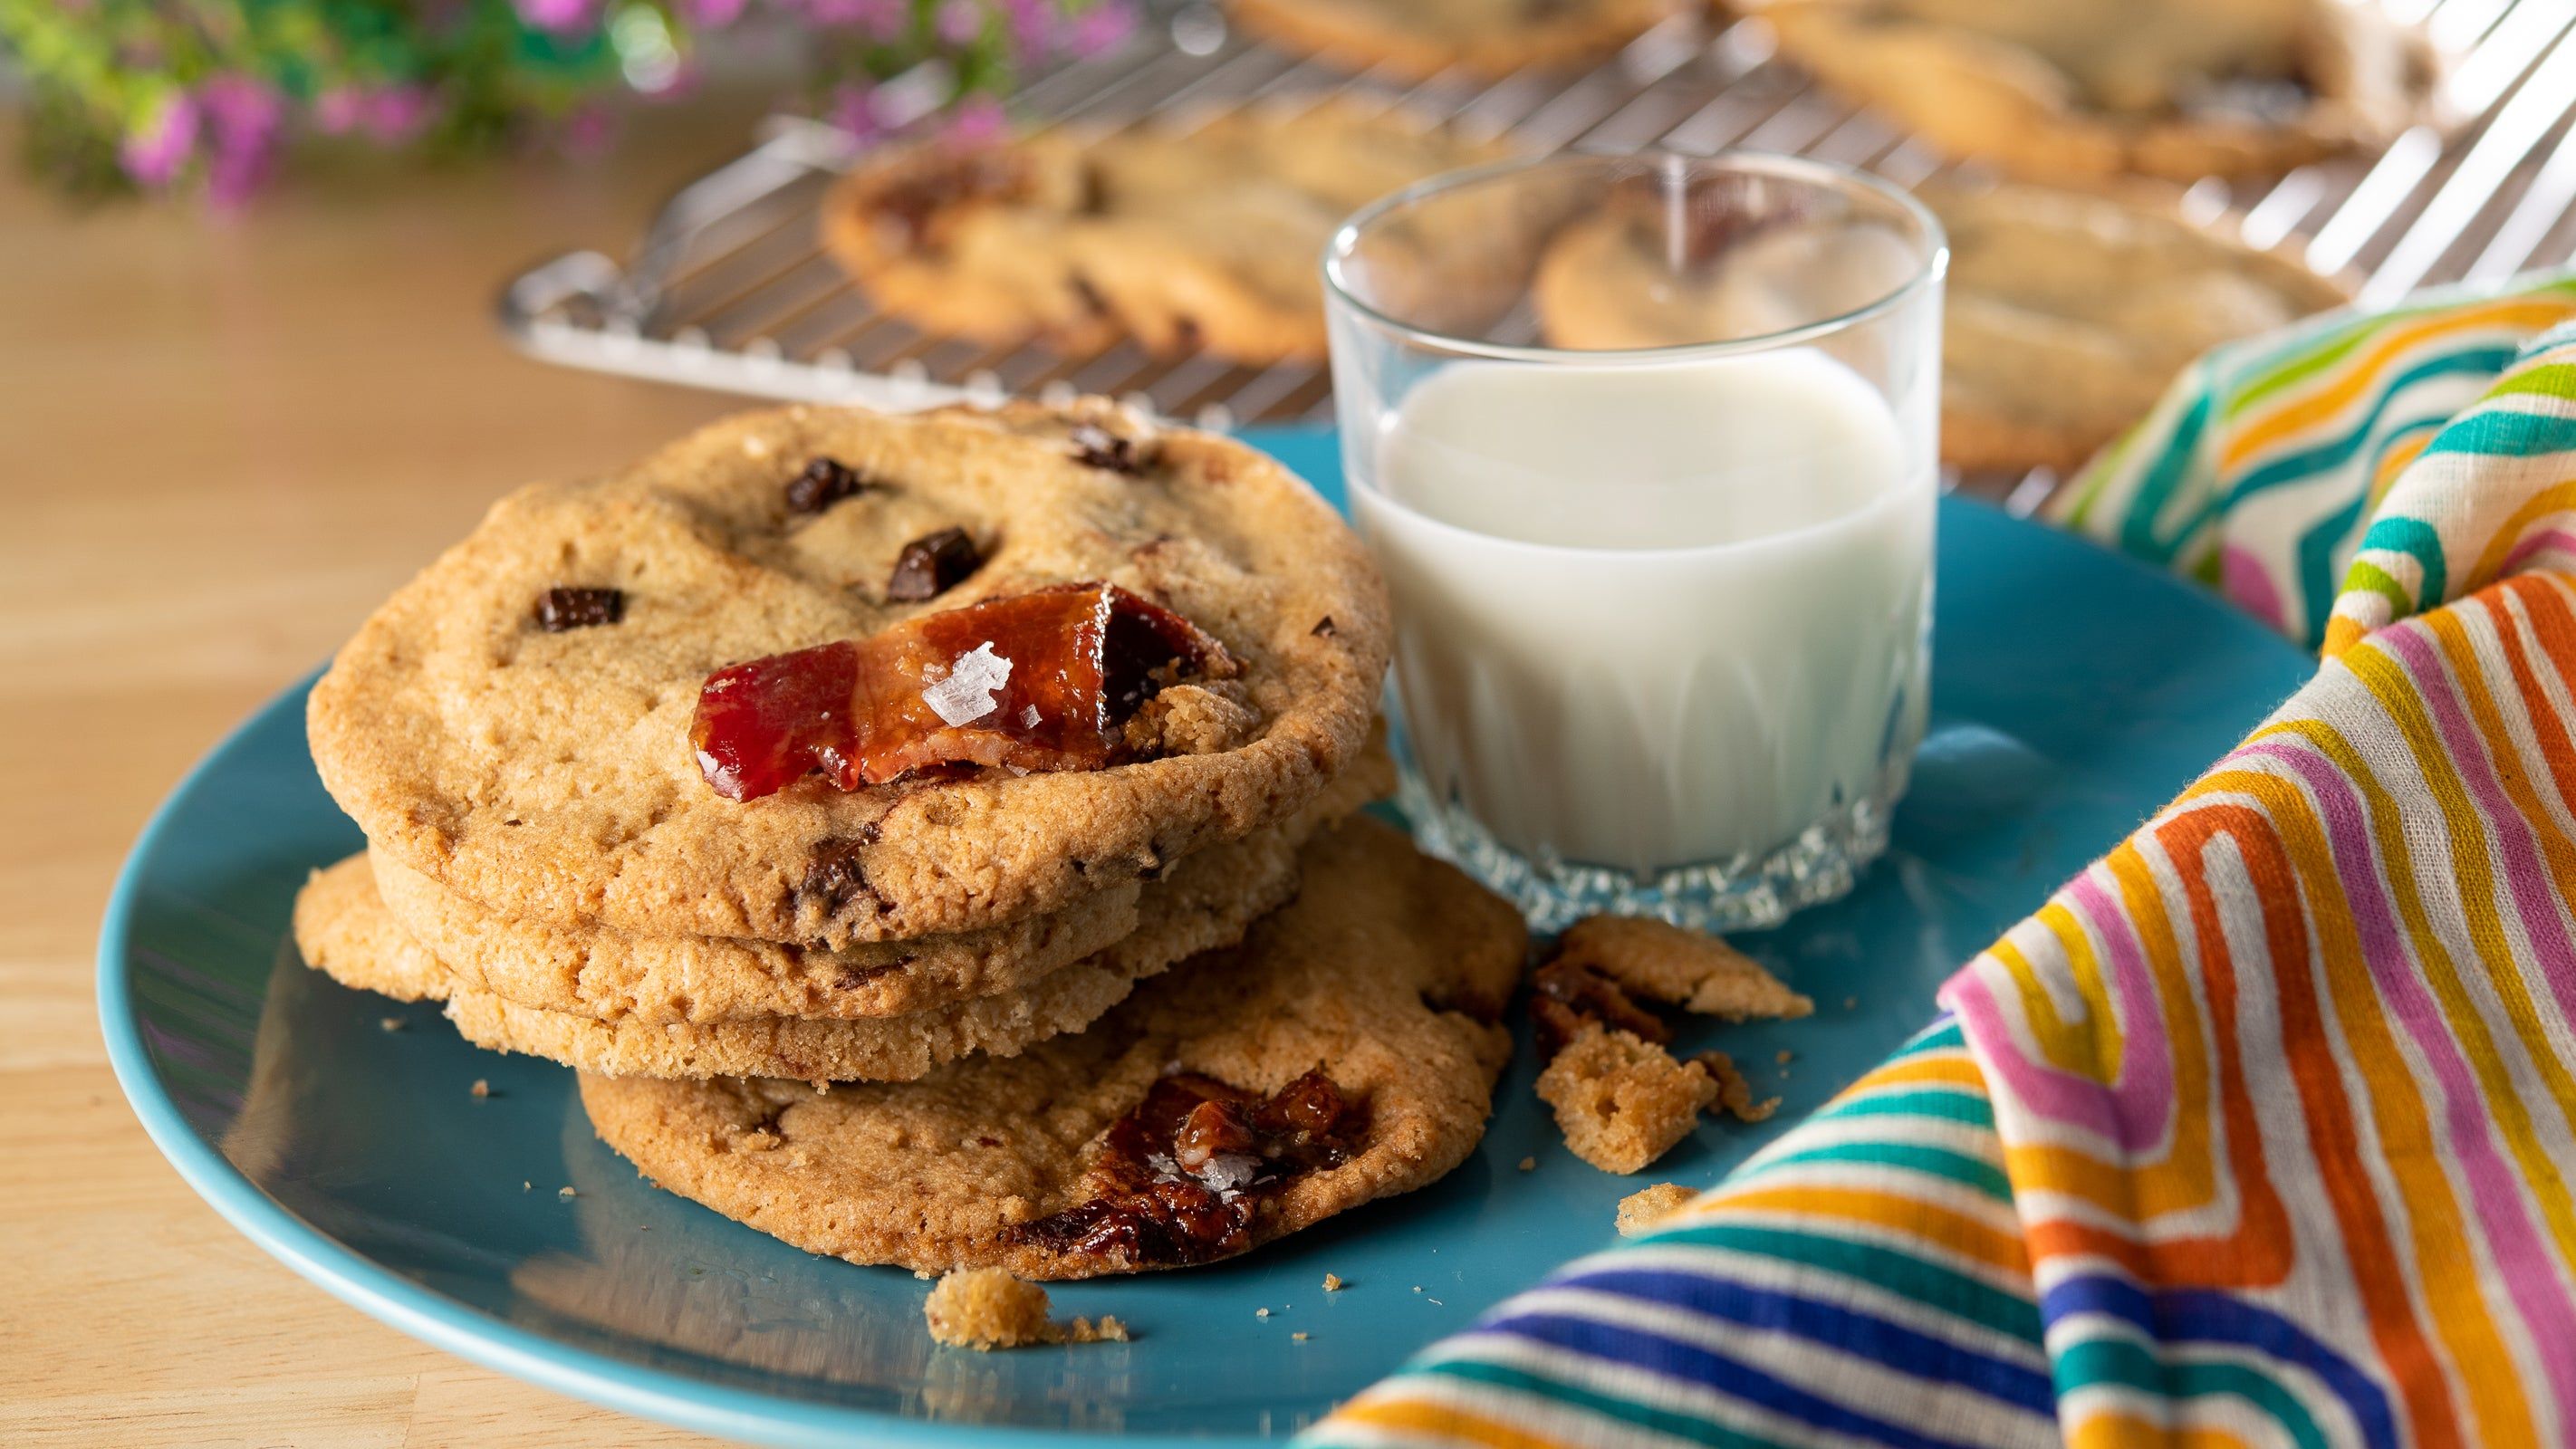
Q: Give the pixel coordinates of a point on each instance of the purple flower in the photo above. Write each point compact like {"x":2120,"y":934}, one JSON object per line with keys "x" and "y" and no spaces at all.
{"x":958,"y":22}
{"x":339,"y":110}
{"x":154,"y":152}
{"x":559,"y":17}
{"x":244,"y":119}
{"x":389,"y":114}
{"x":976,"y":120}
{"x":713,"y":14}
{"x":1101,"y":27}
{"x":1032,"y":27}
{"x":397,"y":113}
{"x":855,"y":108}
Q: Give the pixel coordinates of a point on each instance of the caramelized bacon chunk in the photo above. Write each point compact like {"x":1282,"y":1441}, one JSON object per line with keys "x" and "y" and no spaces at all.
{"x":1181,"y":1179}
{"x":1036,"y":681}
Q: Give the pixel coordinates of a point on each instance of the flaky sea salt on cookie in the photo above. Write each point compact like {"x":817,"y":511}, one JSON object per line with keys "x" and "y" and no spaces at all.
{"x":537,"y":721}
{"x":1345,"y":1051}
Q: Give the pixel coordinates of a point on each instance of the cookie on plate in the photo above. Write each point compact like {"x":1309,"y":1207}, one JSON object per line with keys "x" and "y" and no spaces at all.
{"x":2066,"y":314}
{"x":2076,"y":89}
{"x":533,"y":722}
{"x":1416,"y":39}
{"x":344,"y":931}
{"x":1186,"y":238}
{"x":1346,"y":1051}
{"x":1204,"y":902}
{"x":622,"y":976}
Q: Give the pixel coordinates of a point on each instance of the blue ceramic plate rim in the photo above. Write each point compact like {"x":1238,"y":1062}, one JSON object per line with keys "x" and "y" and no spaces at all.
{"x":480,"y":1337}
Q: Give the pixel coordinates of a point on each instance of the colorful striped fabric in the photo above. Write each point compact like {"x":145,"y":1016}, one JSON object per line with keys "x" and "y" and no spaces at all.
{"x":2263,"y":1130}
{"x":2260,"y":468}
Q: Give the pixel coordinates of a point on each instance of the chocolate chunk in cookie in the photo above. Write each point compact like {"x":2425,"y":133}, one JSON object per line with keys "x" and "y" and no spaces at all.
{"x":933,"y":564}
{"x":824,"y":482}
{"x":559,"y":609}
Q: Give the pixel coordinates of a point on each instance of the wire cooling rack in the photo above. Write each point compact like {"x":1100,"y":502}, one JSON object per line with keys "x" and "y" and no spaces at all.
{"x":730,"y":290}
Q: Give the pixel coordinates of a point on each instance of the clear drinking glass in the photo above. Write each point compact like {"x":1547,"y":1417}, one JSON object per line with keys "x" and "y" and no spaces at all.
{"x":1646,"y":447}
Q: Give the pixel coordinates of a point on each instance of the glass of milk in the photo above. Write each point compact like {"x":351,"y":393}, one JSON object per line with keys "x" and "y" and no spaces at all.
{"x":1646,"y":447}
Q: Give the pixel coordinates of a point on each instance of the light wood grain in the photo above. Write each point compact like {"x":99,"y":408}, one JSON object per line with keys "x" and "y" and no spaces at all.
{"x":221,"y":441}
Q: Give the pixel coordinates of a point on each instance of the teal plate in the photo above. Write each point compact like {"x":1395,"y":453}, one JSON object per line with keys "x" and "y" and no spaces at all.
{"x":2073,"y":693}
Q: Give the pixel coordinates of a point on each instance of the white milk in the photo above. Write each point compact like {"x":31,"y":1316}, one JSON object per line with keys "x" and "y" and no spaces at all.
{"x":1654,"y":615}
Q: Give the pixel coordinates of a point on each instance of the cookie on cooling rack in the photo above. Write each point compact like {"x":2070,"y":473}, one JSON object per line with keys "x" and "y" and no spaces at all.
{"x":1187,"y":237}
{"x":1346,"y":1051}
{"x":2067,"y":313}
{"x":1414,"y":39}
{"x":821,"y":675}
{"x":2072,"y":89}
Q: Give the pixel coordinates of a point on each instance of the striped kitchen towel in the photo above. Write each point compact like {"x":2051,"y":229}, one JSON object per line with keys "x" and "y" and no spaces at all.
{"x":2262,"y":1130}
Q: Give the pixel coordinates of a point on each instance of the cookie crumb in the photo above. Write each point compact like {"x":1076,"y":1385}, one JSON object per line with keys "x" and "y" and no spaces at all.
{"x":1784,"y":1056}
{"x":1417,"y":1287}
{"x":1639,"y":1212}
{"x":1620,"y":1100}
{"x":1670,"y":963}
{"x":389,"y":1023}
{"x":481,"y":1088}
{"x":1851,"y":1003}
{"x":526,"y":1186}
{"x":1261,"y":1313}
{"x":1300,"y":1337}
{"x":566,"y":1192}
{"x":987,"y":1308}
{"x":1529,"y":1164}
{"x":1735,"y":1094}
{"x":1332,"y":1282}
{"x":1108,"y":1330}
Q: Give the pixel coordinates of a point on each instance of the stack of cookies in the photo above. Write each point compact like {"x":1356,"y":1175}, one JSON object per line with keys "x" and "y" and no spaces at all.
{"x":929,"y":836}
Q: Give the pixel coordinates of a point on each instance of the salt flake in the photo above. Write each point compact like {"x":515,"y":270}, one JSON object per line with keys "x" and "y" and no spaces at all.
{"x":1029,"y":718}
{"x":1230,"y":1172}
{"x":966,"y":695}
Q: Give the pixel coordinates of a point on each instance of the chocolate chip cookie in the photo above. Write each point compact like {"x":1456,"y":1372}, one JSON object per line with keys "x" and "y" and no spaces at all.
{"x":2066,"y":316}
{"x":1415,"y":39}
{"x":1204,"y":900}
{"x":1345,"y":1051}
{"x":1186,"y":237}
{"x":344,"y":931}
{"x":1175,"y":643}
{"x":2074,"y":89}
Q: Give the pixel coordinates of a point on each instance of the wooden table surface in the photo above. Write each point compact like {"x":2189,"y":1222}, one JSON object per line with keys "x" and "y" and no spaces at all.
{"x":225,"y":439}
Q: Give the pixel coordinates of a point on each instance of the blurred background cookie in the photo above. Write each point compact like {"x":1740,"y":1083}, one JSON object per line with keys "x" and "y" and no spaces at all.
{"x":2067,"y":314}
{"x":1184,"y":238}
{"x":2064,"y":89}
{"x":1419,"y":38}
